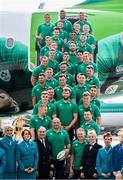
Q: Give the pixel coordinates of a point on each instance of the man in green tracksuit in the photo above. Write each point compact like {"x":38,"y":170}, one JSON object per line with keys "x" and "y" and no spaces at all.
{"x":69,"y":118}
{"x":59,"y":89}
{"x":77,"y":154}
{"x":38,"y":89}
{"x":39,"y":69}
{"x":44,"y":29}
{"x":67,"y":24}
{"x":40,"y":119}
{"x":89,"y":123}
{"x":59,"y":141}
{"x":96,"y":116}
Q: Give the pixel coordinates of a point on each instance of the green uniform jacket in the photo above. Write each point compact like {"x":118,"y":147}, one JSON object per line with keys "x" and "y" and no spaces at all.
{"x":77,"y":152}
{"x":58,"y":141}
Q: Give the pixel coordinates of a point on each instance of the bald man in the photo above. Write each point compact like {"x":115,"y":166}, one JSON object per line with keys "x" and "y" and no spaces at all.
{"x":59,"y":140}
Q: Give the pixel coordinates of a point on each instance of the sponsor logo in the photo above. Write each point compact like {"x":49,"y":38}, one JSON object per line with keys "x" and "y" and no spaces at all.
{"x":119,"y":69}
{"x":5,"y":75}
{"x":111,"y":89}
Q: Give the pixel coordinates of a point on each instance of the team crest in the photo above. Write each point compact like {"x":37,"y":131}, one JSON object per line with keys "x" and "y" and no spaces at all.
{"x":5,"y":75}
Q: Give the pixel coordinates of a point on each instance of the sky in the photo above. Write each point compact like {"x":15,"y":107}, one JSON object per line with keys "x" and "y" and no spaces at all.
{"x":32,"y":5}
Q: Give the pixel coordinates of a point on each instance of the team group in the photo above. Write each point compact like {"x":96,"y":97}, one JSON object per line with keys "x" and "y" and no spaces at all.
{"x":67,"y":78}
{"x":66,"y":116}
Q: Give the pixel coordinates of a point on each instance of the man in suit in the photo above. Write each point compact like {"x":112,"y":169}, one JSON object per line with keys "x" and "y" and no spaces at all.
{"x":44,"y":154}
{"x":89,"y":156}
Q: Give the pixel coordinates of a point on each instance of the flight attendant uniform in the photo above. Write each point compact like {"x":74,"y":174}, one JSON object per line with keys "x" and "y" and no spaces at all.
{"x":27,"y":156}
{"x":2,"y":162}
{"x":104,"y":162}
{"x":9,"y":145}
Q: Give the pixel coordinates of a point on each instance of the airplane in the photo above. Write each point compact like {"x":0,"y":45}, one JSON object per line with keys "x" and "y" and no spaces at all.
{"x":18,"y":22}
{"x":17,"y":55}
{"x":112,"y":110}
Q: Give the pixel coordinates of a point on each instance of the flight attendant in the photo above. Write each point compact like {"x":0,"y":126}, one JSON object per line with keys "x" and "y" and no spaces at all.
{"x":2,"y":162}
{"x":9,"y":145}
{"x":27,"y":157}
{"x":104,"y":158}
